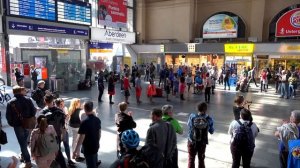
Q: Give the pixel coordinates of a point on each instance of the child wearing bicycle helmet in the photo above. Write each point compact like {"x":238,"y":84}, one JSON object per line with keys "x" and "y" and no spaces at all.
{"x":131,"y":140}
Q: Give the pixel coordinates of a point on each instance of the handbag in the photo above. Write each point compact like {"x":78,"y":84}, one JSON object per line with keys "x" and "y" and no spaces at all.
{"x":3,"y":137}
{"x":27,"y":123}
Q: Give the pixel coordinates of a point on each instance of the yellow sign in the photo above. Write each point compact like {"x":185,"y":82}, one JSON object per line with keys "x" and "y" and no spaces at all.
{"x":290,"y":56}
{"x":293,"y":48}
{"x":239,"y":48}
{"x":62,"y":51}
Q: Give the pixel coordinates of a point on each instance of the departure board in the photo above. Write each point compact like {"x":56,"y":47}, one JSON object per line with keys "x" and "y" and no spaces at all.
{"x":38,"y":9}
{"x":73,"y":11}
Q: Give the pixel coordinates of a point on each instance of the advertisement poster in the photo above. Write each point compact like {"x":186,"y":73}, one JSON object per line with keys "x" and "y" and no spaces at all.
{"x":220,"y":26}
{"x":288,"y":24}
{"x":112,"y":13}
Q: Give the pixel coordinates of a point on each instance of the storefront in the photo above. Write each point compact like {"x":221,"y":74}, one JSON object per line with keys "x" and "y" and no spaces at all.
{"x":285,"y":55}
{"x":111,"y":52}
{"x":53,"y":40}
{"x":238,"y":56}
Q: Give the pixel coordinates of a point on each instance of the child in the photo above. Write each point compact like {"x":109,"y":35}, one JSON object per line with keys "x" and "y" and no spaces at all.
{"x":151,"y":91}
{"x":168,"y":88}
{"x":189,"y":81}
{"x":182,"y":87}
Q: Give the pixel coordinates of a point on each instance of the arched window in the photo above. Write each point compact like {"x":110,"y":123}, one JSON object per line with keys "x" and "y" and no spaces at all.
{"x":241,"y":28}
{"x":272,"y":26}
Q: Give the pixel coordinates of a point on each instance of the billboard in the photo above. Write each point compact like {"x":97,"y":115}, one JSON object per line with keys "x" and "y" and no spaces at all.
{"x":288,"y":24}
{"x":112,"y":13}
{"x":220,"y":26}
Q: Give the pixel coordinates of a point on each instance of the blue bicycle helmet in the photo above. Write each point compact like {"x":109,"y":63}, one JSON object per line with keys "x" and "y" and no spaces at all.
{"x":130,"y":139}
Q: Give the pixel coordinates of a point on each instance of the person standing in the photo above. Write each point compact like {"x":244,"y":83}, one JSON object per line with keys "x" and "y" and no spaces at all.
{"x":56,"y":117}
{"x":182,"y":87}
{"x":263,"y":80}
{"x":126,"y":87}
{"x":18,"y":108}
{"x":138,"y":88}
{"x":19,"y":77}
{"x":151,"y":90}
{"x":100,"y":86}
{"x":284,"y":86}
{"x":89,"y":136}
{"x":251,"y":76}
{"x":207,"y":84}
{"x":39,"y":93}
{"x":199,"y":124}
{"x":74,"y":123}
{"x":34,"y":75}
{"x":65,"y":136}
{"x":111,"y":86}
{"x":124,"y":121}
{"x":167,"y":88}
{"x":289,"y":130}
{"x":243,"y":133}
{"x":226,"y":79}
{"x":147,"y":73}
{"x":43,"y":159}
{"x":168,"y":117}
{"x":167,"y":144}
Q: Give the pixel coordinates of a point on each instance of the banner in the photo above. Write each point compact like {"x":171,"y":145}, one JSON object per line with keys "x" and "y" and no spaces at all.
{"x":288,"y":24}
{"x":220,"y":26}
{"x":112,"y":13}
{"x":112,"y":36}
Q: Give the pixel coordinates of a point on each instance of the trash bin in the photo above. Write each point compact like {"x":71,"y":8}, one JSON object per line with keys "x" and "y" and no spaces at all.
{"x":232,"y":81}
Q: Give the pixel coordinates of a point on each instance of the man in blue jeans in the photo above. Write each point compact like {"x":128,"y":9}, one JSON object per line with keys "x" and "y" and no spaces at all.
{"x":89,"y":136}
{"x":17,"y":108}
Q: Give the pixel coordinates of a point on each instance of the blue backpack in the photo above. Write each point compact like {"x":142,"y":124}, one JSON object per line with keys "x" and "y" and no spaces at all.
{"x":244,"y":138}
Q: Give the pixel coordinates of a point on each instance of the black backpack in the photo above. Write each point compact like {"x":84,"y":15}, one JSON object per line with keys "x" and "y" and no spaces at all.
{"x":149,"y":156}
{"x":244,"y":138}
{"x":200,"y":129}
{"x":34,"y":95}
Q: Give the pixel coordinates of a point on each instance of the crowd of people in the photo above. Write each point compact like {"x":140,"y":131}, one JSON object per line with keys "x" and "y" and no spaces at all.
{"x":45,"y":127}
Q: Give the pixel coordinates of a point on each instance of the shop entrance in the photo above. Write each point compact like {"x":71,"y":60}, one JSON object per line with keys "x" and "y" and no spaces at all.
{"x":289,"y":64}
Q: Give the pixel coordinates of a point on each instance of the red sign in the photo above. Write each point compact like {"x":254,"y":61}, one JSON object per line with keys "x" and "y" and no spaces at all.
{"x":112,"y":13}
{"x":26,"y":69}
{"x":288,"y":24}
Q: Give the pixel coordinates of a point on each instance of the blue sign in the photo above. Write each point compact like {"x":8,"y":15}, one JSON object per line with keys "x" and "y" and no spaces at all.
{"x":98,"y":45}
{"x":47,"y":29}
{"x":72,"y":11}
{"x":39,"y":9}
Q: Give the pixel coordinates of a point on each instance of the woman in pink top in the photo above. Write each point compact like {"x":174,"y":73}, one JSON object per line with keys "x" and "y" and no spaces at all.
{"x":42,"y":160}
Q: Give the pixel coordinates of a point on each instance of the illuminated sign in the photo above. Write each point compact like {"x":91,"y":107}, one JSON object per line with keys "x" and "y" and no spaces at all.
{"x":290,"y":56}
{"x":239,"y":48}
{"x":220,"y":26}
{"x":288,"y":24}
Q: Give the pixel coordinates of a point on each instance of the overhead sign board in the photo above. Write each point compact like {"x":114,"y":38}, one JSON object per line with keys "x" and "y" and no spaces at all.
{"x":112,"y":36}
{"x":239,"y":48}
{"x":112,"y":13}
{"x":45,"y":28}
{"x":72,"y":11}
{"x":288,"y":25}
{"x":42,"y":9}
{"x":220,"y":26}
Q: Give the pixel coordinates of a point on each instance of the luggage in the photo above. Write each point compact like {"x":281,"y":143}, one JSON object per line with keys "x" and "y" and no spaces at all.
{"x":159,"y":92}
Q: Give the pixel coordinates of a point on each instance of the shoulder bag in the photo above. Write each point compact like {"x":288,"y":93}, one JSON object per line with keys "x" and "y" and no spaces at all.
{"x":27,"y":123}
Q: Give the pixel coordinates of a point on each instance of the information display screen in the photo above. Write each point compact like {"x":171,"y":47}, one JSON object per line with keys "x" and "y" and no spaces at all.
{"x":39,"y":9}
{"x":72,"y":11}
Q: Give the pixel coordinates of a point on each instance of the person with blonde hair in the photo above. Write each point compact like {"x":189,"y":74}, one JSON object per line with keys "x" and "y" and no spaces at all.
{"x":74,"y":122}
{"x":43,"y":156}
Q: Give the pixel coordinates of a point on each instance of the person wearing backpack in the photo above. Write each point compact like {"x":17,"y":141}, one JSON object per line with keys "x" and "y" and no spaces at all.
{"x":168,"y":117}
{"x":44,"y":145}
{"x":288,"y":131}
{"x":242,"y":143}
{"x":199,"y":124}
{"x":130,"y":139}
{"x":89,"y":136}
{"x":18,"y":109}
{"x":56,"y":117}
{"x":166,"y":144}
{"x":124,"y":121}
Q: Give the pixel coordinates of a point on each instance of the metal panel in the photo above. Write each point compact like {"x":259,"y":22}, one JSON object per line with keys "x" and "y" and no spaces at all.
{"x":44,"y":23}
